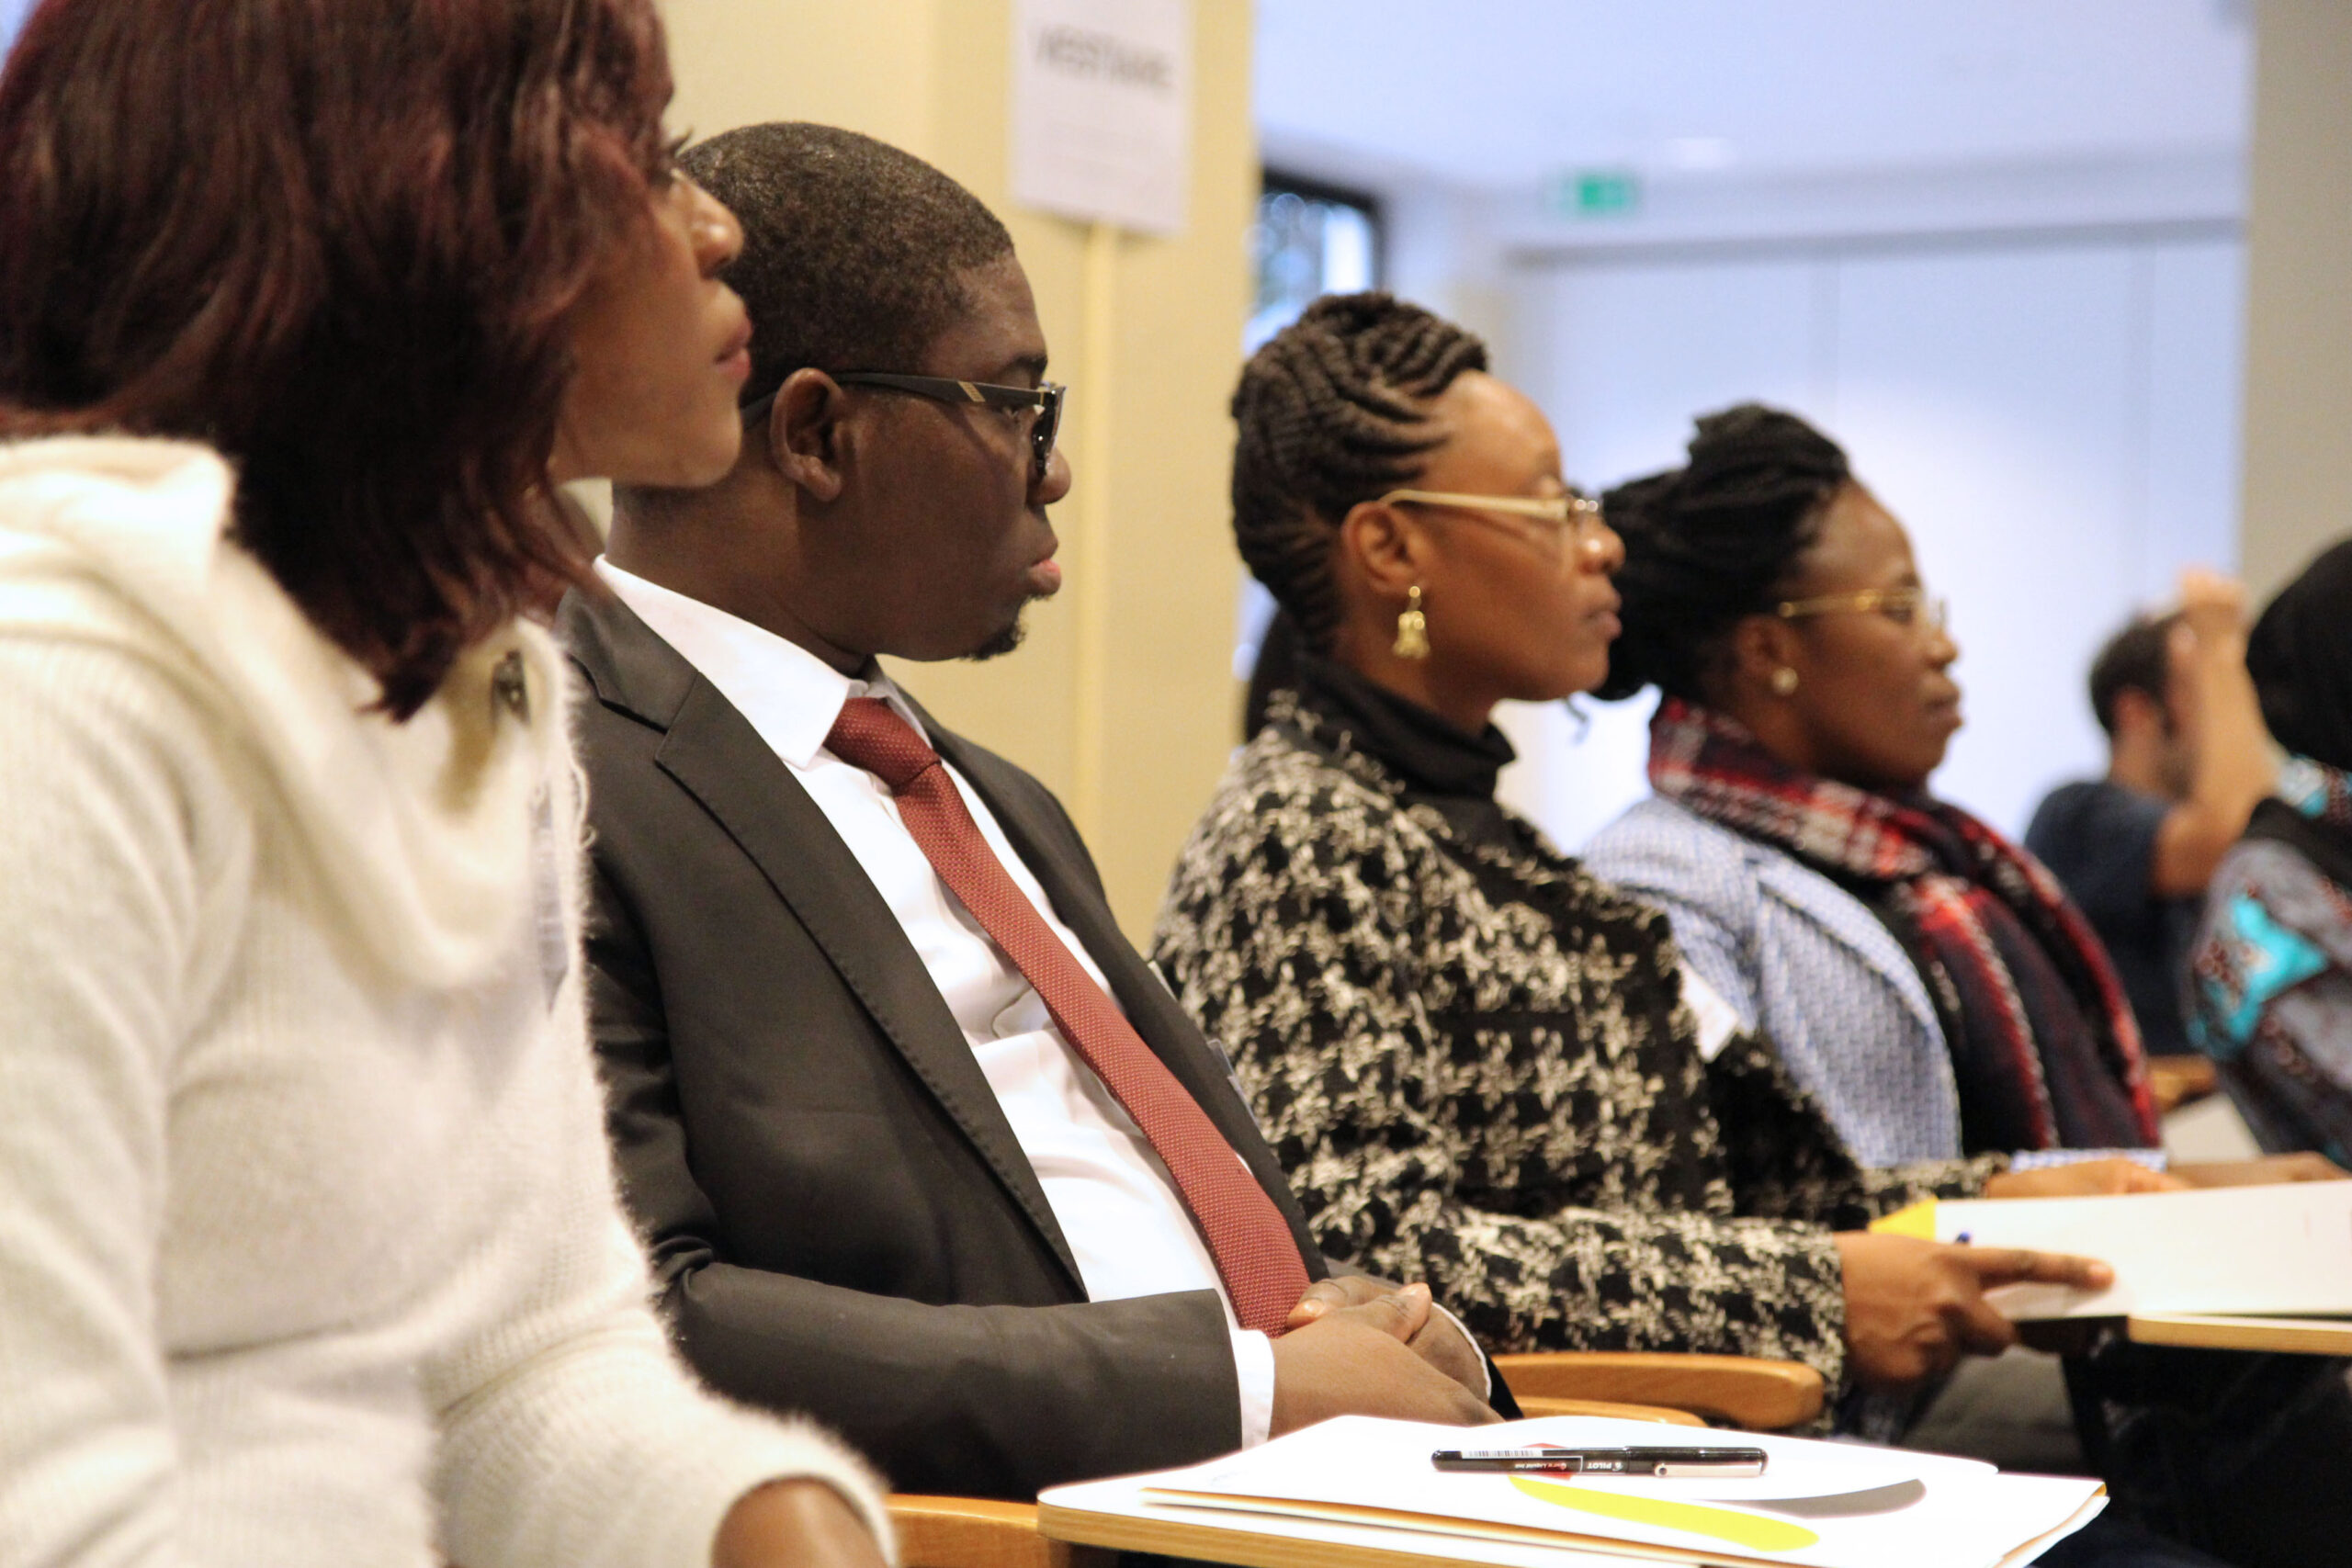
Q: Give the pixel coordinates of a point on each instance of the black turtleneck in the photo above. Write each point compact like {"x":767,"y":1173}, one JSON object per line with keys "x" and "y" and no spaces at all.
{"x":1440,"y":764}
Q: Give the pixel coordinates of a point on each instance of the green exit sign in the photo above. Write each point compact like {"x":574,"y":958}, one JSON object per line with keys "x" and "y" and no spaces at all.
{"x":1596,"y":193}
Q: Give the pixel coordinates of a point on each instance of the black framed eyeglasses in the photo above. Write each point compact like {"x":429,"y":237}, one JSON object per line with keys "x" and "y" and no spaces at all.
{"x":1045,"y":398}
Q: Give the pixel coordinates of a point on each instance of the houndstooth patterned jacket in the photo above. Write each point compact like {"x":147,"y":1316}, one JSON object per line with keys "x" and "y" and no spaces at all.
{"x":1476,"y":1065}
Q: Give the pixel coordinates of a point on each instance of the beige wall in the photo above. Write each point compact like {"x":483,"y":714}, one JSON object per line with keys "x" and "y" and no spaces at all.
{"x":1123,"y":698}
{"x":2298,"y":483}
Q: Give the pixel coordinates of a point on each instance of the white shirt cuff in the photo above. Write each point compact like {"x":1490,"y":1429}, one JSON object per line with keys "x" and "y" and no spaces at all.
{"x":1253,"y":1365}
{"x":1485,"y":1367}
{"x":2043,"y":1160}
{"x":1717,"y":1019}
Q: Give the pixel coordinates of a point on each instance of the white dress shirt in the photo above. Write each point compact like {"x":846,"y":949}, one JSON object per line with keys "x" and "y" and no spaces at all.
{"x":1113,"y":1196}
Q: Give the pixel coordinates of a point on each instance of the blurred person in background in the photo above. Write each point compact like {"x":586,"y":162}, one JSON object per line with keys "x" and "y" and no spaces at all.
{"x":310,"y":1249}
{"x":2187,"y":759}
{"x":2271,"y":966}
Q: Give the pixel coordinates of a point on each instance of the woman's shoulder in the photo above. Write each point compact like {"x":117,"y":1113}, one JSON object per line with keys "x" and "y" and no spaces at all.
{"x":1663,"y":847}
{"x":106,"y":545}
{"x":1295,"y":840}
{"x":2274,"y":924}
{"x":143,"y":516}
{"x":117,"y":571}
{"x":1282,"y":787}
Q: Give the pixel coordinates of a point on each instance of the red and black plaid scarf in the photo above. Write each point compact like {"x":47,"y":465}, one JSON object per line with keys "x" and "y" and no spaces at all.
{"x":2050,"y":1054}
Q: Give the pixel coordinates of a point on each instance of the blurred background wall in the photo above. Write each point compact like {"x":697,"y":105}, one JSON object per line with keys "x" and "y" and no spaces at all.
{"x":2297,"y":492}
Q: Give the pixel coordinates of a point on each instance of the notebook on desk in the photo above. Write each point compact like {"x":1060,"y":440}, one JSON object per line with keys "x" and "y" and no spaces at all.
{"x":1358,"y":1492}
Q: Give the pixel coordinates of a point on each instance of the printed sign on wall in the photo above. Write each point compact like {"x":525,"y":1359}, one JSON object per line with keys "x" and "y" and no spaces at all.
{"x":1102,"y":109}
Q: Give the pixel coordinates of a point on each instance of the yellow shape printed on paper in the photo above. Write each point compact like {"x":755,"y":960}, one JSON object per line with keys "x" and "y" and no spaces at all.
{"x":1918,"y":1219}
{"x":1753,"y":1530}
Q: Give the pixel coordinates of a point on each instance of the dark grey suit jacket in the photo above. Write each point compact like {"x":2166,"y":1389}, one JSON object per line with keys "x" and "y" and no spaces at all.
{"x":838,"y":1212}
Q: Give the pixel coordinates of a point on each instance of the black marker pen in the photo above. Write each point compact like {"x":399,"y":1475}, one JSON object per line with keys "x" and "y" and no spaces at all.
{"x":1658,"y":1461}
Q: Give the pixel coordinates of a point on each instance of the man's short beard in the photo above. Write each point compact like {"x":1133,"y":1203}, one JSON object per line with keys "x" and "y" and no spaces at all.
{"x":1002,"y":642}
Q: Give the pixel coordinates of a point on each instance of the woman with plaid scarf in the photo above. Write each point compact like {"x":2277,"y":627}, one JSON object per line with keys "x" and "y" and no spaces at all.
{"x":1927,"y":980}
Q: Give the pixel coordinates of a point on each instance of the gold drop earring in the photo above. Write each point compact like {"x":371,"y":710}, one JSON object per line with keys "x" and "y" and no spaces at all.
{"x":1784,"y":681}
{"x":1412,"y":627}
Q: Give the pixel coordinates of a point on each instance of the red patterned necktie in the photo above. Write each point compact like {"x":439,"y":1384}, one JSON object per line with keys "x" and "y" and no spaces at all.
{"x":1246,"y":1234}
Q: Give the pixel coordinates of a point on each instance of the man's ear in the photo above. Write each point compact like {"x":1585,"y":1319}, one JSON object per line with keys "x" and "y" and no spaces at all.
{"x":805,"y":432}
{"x":2136,"y":710}
{"x":1384,"y":549}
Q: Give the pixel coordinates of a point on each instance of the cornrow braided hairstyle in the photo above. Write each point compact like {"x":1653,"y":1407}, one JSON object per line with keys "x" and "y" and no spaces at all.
{"x":1333,"y":412}
{"x":1712,"y":542}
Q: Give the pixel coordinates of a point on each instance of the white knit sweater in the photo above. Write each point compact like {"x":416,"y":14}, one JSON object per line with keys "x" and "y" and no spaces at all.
{"x":308,"y":1246}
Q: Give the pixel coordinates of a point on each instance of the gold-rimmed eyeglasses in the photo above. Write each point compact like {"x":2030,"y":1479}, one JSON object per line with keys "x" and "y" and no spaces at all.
{"x":1905,"y":607}
{"x":1563,"y":510}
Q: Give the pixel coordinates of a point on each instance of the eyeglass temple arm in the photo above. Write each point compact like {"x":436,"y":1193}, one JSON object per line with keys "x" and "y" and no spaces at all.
{"x":1532,"y":506}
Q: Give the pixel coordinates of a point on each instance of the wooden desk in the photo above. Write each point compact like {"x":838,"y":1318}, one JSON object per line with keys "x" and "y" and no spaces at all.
{"x":2303,"y":1336}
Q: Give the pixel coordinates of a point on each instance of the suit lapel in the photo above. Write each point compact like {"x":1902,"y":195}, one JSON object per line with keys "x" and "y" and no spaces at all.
{"x":718,"y":758}
{"x":1847,"y":920}
{"x":1051,"y":851}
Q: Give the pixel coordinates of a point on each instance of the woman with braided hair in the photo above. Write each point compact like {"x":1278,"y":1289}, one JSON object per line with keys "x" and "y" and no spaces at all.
{"x":1476,"y":1060}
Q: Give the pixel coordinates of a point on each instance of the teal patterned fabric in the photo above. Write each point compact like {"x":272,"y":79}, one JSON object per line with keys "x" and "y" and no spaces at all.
{"x":2265,"y":959}
{"x":2270,"y":976}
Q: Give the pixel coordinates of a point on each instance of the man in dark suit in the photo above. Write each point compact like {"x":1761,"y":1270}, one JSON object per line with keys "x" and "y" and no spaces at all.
{"x":920,"y":1146}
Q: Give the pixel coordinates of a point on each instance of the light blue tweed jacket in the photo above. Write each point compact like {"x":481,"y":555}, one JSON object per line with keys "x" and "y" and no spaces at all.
{"x":1805,"y":965}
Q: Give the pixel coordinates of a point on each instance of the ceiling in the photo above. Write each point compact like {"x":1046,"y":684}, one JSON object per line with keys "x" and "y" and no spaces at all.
{"x":1498,"y":94}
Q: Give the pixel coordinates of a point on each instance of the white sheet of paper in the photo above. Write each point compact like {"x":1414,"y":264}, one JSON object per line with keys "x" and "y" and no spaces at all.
{"x":2284,"y":1249}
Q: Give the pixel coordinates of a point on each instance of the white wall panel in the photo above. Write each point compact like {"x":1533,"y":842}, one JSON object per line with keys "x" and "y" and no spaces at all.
{"x":1989,"y":400}
{"x":1631,"y":353}
{"x":2196,"y":347}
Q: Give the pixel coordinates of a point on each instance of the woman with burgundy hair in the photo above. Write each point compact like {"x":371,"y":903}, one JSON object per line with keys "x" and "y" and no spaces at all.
{"x":308,"y":1246}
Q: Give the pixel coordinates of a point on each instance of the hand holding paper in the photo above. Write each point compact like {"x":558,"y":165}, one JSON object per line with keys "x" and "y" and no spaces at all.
{"x":1914,"y":1306}
{"x":2277,"y":1249}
